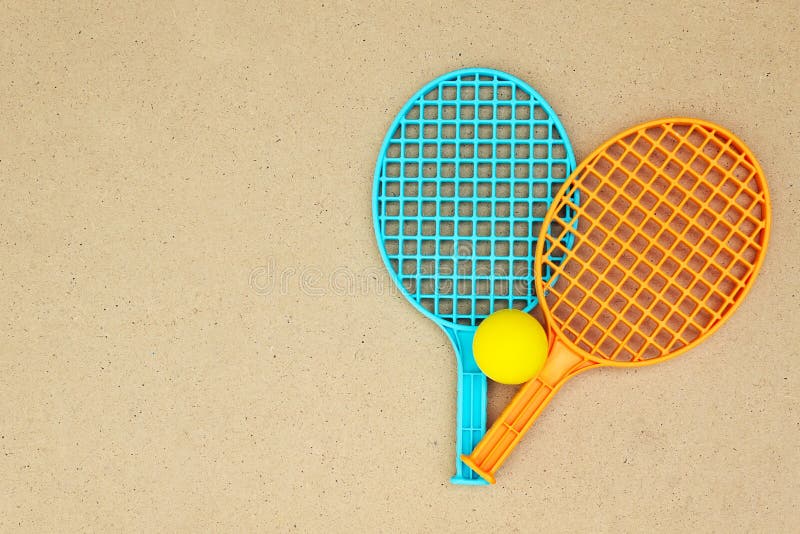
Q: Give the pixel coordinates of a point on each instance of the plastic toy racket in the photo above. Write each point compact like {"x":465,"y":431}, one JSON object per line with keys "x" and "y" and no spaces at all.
{"x":464,"y":178}
{"x":670,"y":232}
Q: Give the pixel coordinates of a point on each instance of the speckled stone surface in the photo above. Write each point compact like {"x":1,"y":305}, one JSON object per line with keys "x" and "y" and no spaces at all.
{"x":196,"y":330}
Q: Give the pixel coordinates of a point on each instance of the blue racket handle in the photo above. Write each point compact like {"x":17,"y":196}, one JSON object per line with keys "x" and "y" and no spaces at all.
{"x":470,"y":404}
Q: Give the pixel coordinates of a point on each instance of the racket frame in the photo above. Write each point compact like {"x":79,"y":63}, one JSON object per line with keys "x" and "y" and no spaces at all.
{"x":471,"y":382}
{"x":565,"y":358}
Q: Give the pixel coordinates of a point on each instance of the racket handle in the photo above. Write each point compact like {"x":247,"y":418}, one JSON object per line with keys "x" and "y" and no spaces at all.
{"x":471,"y":424}
{"x":522,"y":411}
{"x":470,"y":406}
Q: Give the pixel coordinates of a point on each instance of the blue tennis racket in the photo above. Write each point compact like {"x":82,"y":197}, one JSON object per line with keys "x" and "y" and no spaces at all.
{"x":463,"y":181}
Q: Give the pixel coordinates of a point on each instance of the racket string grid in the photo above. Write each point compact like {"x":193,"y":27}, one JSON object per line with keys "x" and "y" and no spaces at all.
{"x":702,"y":219}
{"x":467,"y":178}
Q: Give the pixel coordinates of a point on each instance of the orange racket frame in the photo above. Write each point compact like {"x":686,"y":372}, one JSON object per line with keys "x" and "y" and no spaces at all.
{"x":702,"y":194}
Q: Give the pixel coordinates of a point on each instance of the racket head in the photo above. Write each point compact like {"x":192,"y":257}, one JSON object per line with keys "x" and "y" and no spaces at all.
{"x":671,"y":230}
{"x":464,"y":178}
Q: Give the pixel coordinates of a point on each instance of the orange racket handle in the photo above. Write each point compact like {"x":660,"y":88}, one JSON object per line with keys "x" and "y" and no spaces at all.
{"x":490,"y":453}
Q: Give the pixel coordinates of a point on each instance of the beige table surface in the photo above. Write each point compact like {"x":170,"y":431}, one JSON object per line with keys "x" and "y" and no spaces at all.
{"x":160,"y":166}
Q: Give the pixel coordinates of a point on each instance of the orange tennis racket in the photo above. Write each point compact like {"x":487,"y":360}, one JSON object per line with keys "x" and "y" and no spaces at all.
{"x":670,"y":230}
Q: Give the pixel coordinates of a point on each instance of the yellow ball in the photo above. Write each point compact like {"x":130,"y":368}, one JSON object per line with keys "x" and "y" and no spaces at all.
{"x":510,"y":347}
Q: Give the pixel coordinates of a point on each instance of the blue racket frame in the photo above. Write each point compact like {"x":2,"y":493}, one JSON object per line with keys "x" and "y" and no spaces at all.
{"x":430,"y":167}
